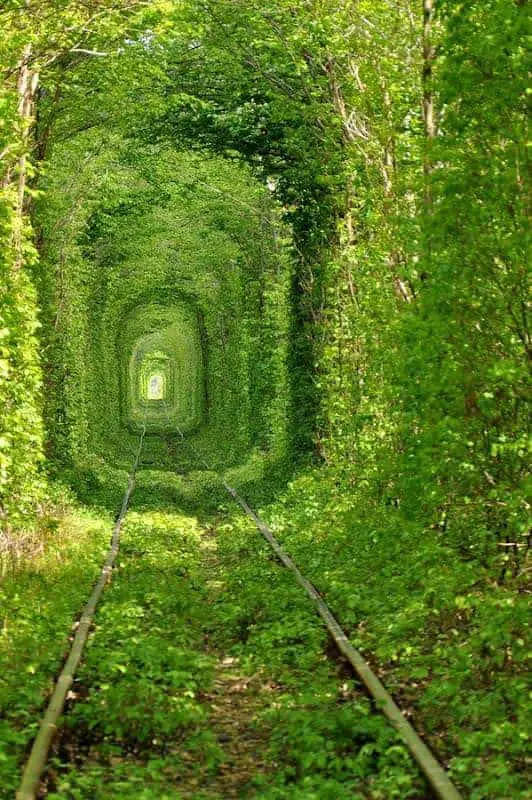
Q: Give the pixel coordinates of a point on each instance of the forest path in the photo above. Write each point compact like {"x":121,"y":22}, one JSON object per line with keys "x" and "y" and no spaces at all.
{"x":207,"y":676}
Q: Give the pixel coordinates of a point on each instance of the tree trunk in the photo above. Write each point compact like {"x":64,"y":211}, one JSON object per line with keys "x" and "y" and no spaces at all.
{"x":388,"y":175}
{"x":27,"y":83}
{"x":428,"y":96}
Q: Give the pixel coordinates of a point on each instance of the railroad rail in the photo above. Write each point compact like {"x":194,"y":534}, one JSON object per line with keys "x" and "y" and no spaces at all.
{"x":433,"y":771}
{"x":36,"y":763}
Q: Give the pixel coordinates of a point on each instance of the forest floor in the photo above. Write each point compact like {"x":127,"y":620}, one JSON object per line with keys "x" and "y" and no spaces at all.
{"x":207,"y":675}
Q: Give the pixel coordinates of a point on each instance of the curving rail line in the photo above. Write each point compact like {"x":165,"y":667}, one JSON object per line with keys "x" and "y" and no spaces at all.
{"x":434,"y":773}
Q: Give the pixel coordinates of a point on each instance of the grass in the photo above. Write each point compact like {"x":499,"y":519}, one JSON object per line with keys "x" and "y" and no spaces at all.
{"x":208,"y":675}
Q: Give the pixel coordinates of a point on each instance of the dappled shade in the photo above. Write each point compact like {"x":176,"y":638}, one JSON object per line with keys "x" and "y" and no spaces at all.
{"x":276,"y":250}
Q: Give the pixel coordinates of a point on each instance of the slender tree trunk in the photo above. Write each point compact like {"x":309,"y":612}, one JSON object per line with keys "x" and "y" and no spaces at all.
{"x":429,"y":120}
{"x":43,"y":129}
{"x":27,"y":83}
{"x":429,"y":117}
{"x":388,"y":174}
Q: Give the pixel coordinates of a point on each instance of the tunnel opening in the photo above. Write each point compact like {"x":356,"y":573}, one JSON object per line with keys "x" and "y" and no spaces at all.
{"x":156,"y":387}
{"x":382,"y":331}
{"x":164,"y":379}
{"x":183,"y":323}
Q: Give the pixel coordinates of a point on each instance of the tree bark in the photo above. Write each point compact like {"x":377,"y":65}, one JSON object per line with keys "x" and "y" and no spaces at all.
{"x":429,"y":118}
{"x":27,"y":83}
{"x":388,"y":174}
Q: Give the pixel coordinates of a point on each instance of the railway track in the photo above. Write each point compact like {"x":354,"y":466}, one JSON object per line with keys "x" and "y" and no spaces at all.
{"x":432,"y":770}
{"x":36,"y":763}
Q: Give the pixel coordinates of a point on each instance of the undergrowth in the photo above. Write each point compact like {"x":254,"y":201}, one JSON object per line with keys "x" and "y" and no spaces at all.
{"x":448,"y":640}
{"x":144,"y":719}
{"x":38,"y":605}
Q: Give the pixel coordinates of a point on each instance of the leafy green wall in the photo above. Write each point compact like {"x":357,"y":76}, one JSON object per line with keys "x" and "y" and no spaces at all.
{"x":339,"y":199}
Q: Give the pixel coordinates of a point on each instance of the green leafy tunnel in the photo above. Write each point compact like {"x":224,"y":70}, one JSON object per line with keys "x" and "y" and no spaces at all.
{"x":173,"y":283}
{"x":163,"y":381}
{"x":291,"y":240}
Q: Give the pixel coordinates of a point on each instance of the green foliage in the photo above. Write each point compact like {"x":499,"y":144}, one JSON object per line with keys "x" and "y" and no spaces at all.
{"x":324,"y":737}
{"x":21,"y":434}
{"x":22,"y":488}
{"x":185,"y":603}
{"x":142,"y":671}
{"x":368,"y":309}
{"x":163,"y":240}
{"x":443,"y":632}
{"x":333,"y":751}
{"x":33,"y":37}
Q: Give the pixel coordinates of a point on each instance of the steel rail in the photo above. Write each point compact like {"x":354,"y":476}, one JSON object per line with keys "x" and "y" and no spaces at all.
{"x":35,"y":765}
{"x":433,"y":771}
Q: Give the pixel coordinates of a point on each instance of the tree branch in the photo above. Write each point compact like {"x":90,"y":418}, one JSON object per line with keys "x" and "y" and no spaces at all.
{"x":88,"y":52}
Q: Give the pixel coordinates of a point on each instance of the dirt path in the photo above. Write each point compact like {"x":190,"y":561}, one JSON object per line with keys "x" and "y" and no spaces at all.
{"x":234,"y":704}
